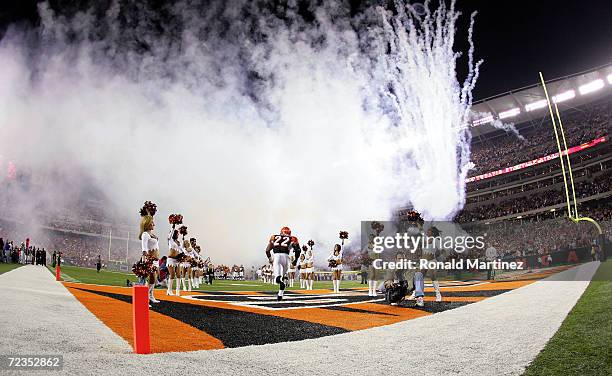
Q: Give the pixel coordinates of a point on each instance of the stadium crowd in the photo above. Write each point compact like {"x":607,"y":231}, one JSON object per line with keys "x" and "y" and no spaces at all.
{"x":508,"y":150}
{"x":579,"y":160}
{"x":518,"y":188}
{"x":534,"y":237}
{"x":535,"y":200}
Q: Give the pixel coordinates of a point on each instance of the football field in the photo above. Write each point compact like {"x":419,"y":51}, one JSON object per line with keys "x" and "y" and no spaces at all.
{"x":112,"y":278}
{"x":95,"y":321}
{"x":233,"y":313}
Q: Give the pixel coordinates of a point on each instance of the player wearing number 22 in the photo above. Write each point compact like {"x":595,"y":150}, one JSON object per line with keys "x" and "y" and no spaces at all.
{"x":280,"y":245}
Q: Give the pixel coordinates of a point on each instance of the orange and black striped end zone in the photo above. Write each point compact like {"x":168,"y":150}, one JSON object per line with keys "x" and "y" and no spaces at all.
{"x":216,"y":320}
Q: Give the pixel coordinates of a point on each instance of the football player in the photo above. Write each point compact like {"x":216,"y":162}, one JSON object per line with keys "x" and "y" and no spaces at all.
{"x":280,"y":245}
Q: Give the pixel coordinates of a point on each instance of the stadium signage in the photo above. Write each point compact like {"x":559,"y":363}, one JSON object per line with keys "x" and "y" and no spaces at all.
{"x":534,"y":162}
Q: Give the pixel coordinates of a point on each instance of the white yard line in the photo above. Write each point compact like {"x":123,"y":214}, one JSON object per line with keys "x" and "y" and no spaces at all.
{"x":497,"y":336}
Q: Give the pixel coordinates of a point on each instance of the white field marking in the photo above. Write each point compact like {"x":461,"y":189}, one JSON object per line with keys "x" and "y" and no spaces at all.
{"x":264,"y":307}
{"x":320,"y":301}
{"x":68,"y":278}
{"x":268,"y":297}
{"x":459,"y":286}
{"x":328,"y":300}
{"x":242,"y":284}
{"x":101,"y":270}
{"x":296,"y":297}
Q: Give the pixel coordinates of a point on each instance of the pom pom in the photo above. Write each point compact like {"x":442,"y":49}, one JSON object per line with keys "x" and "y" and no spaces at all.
{"x":378,"y":227}
{"x":304,"y":248}
{"x":183,"y":229}
{"x":311,"y":243}
{"x":148,"y":208}
{"x":175,"y":219}
{"x":142,"y":269}
{"x":333,"y":263}
{"x":343,"y":235}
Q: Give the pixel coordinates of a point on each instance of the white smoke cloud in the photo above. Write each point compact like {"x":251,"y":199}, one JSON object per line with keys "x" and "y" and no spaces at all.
{"x":245,"y":132}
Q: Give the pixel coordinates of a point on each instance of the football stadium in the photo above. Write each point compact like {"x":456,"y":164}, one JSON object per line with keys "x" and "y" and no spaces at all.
{"x":291,"y":187}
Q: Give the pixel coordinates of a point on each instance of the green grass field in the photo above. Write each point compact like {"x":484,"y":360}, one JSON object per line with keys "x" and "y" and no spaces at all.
{"x":89,"y":275}
{"x":583,"y":344}
{"x":8,"y":267}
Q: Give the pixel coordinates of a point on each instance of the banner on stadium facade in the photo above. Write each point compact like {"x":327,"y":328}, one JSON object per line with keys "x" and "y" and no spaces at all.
{"x":536,"y":161}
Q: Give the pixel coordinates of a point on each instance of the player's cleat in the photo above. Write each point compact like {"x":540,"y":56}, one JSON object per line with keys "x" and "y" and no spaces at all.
{"x":411,"y":297}
{"x":279,"y":298}
{"x":438,"y":297}
{"x":420,"y":302}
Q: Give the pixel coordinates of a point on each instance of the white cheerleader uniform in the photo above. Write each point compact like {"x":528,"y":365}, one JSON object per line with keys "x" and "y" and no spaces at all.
{"x":338,"y":260}
{"x":185,"y":264}
{"x":309,"y":261}
{"x":291,"y":268}
{"x":149,"y":243}
{"x":172,"y":245}
{"x":196,"y":256}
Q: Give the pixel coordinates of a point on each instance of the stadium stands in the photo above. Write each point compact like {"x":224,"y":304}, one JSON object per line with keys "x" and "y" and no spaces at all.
{"x":503,"y":150}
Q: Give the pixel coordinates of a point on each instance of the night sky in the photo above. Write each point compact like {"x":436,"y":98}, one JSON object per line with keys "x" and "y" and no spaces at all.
{"x":515,"y":38}
{"x":519,"y":38}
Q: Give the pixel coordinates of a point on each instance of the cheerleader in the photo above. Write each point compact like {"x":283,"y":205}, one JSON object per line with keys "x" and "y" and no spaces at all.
{"x":291,"y":269}
{"x":309,"y":272}
{"x":269,"y":274}
{"x":186,"y":266}
{"x":335,"y":262}
{"x":174,"y":249}
{"x":150,"y":251}
{"x":195,"y":267}
{"x":303,"y":270}
{"x":195,"y":270}
{"x":199,"y":274}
